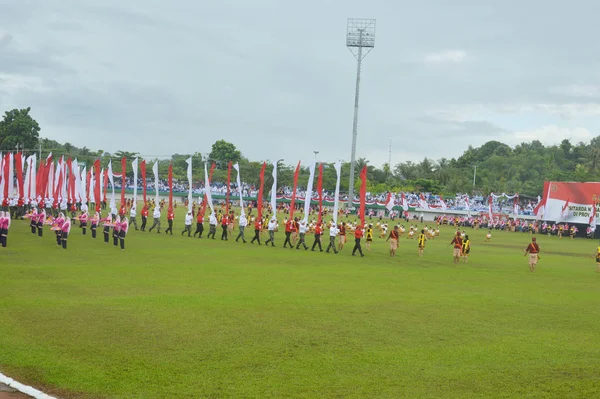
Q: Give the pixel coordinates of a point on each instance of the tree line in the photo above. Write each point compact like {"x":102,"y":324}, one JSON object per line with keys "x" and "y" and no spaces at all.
{"x":499,"y":167}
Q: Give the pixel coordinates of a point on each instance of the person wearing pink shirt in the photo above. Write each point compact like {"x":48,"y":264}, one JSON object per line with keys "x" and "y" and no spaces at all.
{"x":58,"y":222}
{"x":123,"y":232}
{"x":94,"y":222}
{"x":41,"y":218}
{"x":83,"y":219}
{"x":65,"y":228}
{"x":33,"y":220}
{"x":4,"y":225}
{"x":116,"y":230}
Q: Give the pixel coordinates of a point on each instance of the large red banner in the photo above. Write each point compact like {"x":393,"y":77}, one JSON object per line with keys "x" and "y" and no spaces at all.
{"x":569,"y":202}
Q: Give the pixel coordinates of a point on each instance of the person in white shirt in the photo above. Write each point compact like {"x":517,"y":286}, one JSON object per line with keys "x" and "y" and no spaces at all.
{"x":243,"y":222}
{"x":333,"y":232}
{"x":189,"y":218}
{"x":272,"y":226}
{"x":212,"y":222}
{"x":302,"y":233}
{"x":156,"y":217}
{"x":133,"y":217}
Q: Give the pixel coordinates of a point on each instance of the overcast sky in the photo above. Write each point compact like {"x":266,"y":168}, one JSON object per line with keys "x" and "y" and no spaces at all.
{"x":275,"y":77}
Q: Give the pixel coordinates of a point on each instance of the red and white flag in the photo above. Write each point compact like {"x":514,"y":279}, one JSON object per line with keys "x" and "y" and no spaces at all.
{"x":593,"y":216}
{"x":389,"y":203}
{"x":404,"y":203}
{"x":423,"y":203}
{"x":564,"y":213}
{"x":443,"y":203}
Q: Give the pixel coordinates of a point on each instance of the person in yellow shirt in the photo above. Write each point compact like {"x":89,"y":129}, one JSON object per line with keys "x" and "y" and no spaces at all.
{"x":369,"y":237}
{"x":466,"y":248}
{"x":598,"y":259}
{"x":421,"y":242}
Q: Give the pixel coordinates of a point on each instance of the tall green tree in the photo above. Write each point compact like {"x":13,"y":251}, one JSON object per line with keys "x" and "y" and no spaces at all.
{"x":223,"y":151}
{"x":19,"y":128}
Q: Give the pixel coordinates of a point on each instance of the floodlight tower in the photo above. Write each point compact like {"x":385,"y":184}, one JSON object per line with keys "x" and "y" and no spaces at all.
{"x":360,"y":34}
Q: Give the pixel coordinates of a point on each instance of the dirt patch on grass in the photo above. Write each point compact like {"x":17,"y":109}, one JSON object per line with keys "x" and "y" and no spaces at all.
{"x":7,"y":392}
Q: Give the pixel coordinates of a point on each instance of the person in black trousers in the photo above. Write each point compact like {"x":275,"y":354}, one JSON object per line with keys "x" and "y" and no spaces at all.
{"x":318,"y":231}
{"x":199,"y":225}
{"x":358,"y":233}
{"x":256,"y":237}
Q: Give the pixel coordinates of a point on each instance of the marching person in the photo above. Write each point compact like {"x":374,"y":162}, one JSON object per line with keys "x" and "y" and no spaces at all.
{"x":133,"y":217}
{"x":188,"y":224}
{"x":144,"y":217}
{"x":65,"y":229}
{"x":116,"y":231}
{"x":212,"y":223}
{"x":224,"y":224}
{"x":199,"y":224}
{"x":358,"y":234}
{"x":342,"y":240}
{"x":272,"y":227}
{"x":289,"y":228}
{"x":466,"y":249}
{"x":33,"y":220}
{"x":83,"y":219}
{"x":457,"y":242}
{"x":598,"y":259}
{"x":170,"y":218}
{"x":123,"y":228}
{"x":58,"y":222}
{"x":94,"y":223}
{"x":393,"y":239}
{"x":156,"y":221}
{"x":333,"y":232}
{"x":318,"y":233}
{"x":369,"y":237}
{"x":243,"y":222}
{"x":4,"y":226}
{"x":421,"y":242}
{"x":302,"y":234}
{"x":107,"y":221}
{"x":41,"y":218}
{"x":533,"y":250}
{"x":257,"y":230}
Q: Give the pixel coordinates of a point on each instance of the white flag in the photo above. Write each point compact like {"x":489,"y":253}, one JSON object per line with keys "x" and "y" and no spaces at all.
{"x":207,"y":189}
{"x":389,"y":203}
{"x":113,"y":202}
{"x":189,"y":176}
{"x":274,"y":190}
{"x":10,"y":179}
{"x":336,"y":200}
{"x":309,"y":191}
{"x":134,"y":167}
{"x":155,"y":171}
{"x":239,"y":185}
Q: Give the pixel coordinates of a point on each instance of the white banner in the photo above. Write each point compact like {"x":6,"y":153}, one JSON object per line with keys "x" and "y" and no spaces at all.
{"x":155,"y":172}
{"x":274,"y":191}
{"x":189,"y":176}
{"x":309,"y":190}
{"x":239,"y":185}
{"x":10,"y":179}
{"x":113,"y":202}
{"x":207,"y":189}
{"x":336,"y":200}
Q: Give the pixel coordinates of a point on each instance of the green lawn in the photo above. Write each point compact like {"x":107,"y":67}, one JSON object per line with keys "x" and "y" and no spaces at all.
{"x":176,"y":317}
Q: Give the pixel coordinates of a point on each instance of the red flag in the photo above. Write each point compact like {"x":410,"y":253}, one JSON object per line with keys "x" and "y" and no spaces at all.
{"x":293,"y":202}
{"x":228,"y":184}
{"x":39,"y":177}
{"x":88,"y":179}
{"x":123,"y":176}
{"x":19,"y":168}
{"x":363,"y":194}
{"x":210,"y":173}
{"x":97,"y":184}
{"x":105,"y":184}
{"x":171,"y":187}
{"x":320,"y":190}
{"x":143,"y":170}
{"x":58,"y":185}
{"x":259,"y":200}
{"x":6,"y":172}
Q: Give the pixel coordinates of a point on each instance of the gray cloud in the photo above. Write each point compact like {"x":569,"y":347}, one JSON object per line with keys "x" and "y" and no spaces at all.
{"x":274,"y":77}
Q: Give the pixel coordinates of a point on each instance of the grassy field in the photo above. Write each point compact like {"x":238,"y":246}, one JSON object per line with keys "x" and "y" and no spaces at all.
{"x":176,"y":317}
